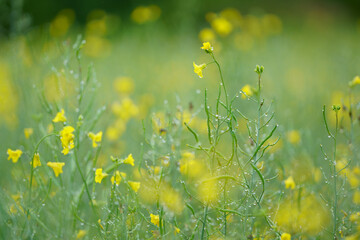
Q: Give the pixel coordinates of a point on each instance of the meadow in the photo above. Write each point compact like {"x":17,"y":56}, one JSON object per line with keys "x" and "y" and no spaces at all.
{"x":245,"y":126}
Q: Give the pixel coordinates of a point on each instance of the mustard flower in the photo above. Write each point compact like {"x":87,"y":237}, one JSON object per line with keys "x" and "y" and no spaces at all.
{"x":28,"y":132}
{"x":116,"y":179}
{"x":246,"y":91}
{"x":285,"y":236}
{"x":198,"y":69}
{"x":207,"y":47}
{"x":134,"y":185}
{"x":14,"y":155}
{"x":57,"y":167}
{"x":129,"y":160}
{"x":176,"y":230}
{"x":81,"y":233}
{"x":96,"y":138}
{"x":289,"y":182}
{"x":60,"y":116}
{"x":207,"y":34}
{"x":354,"y":82}
{"x":99,"y":175}
{"x":99,"y":222}
{"x":67,"y":139}
{"x":155,"y":219}
{"x":36,"y":160}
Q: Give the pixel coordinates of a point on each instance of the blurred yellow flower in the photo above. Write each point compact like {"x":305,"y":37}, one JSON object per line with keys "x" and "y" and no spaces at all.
{"x":233,"y":15}
{"x":129,"y":160}
{"x":155,"y":219}
{"x":67,"y":139}
{"x":206,"y":34}
{"x":60,"y":116}
{"x":354,"y":217}
{"x":190,"y":166}
{"x":198,"y":69}
{"x":134,"y":185}
{"x":289,"y":182}
{"x":62,"y":22}
{"x":114,"y":131}
{"x":354,"y":82}
{"x":143,"y":14}
{"x":96,"y":138}
{"x":28,"y":132}
{"x":81,"y":233}
{"x":222,"y":26}
{"x":14,"y":155}
{"x":356,"y":197}
{"x":293,"y":137}
{"x":246,"y":91}
{"x":207,"y":47}
{"x":57,"y":167}
{"x":304,"y":215}
{"x":124,"y":85}
{"x":99,"y":175}
{"x":285,"y":236}
{"x":208,"y":190}
{"x":97,"y":46}
{"x":176,"y":230}
{"x":125,"y":110}
{"x":36,"y":160}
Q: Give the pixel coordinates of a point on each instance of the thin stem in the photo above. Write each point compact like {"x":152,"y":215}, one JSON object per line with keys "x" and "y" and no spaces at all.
{"x":32,"y":168}
{"x":222,"y":79}
{"x":204,"y":222}
{"x":84,"y":181}
{"x":335,"y":178}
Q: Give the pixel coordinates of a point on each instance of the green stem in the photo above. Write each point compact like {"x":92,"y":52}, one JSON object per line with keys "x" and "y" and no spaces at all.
{"x":32,"y":168}
{"x":335,"y":178}
{"x":222,"y":80}
{"x":204,"y":222}
{"x":84,"y":181}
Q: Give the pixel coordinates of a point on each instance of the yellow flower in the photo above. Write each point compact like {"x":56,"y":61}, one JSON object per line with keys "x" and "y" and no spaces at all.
{"x":289,"y":182}
{"x":207,"y":34}
{"x":81,"y":234}
{"x":246,"y":91}
{"x":14,"y":155}
{"x":207,"y":47}
{"x":129,"y":160}
{"x":67,"y":139}
{"x":36,"y":160}
{"x":126,"y":109}
{"x":293,"y":137}
{"x":155,"y":219}
{"x":57,"y":167}
{"x":176,"y":230}
{"x":99,"y":222}
{"x":96,"y":138}
{"x":356,"y":197}
{"x":285,"y":236}
{"x":222,"y":26}
{"x":354,"y":82}
{"x":143,"y":14}
{"x":124,"y":85}
{"x":60,"y":116}
{"x":116,"y":179}
{"x":99,"y":175}
{"x":198,"y":69}
{"x":28,"y":132}
{"x":134,"y":185}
